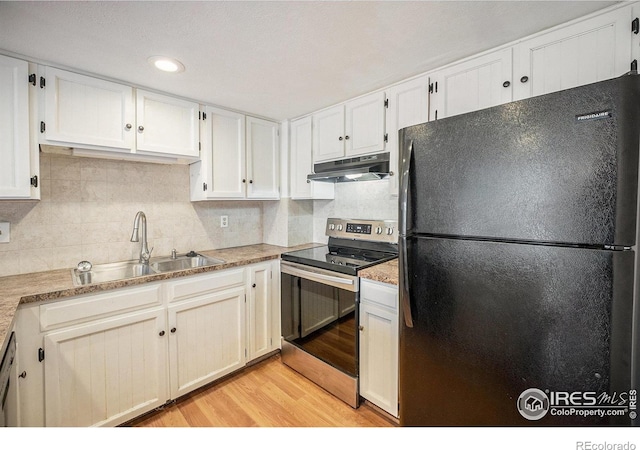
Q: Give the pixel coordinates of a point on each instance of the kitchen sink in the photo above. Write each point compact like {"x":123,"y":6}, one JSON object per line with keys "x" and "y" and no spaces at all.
{"x":183,"y":262}
{"x":101,"y":273}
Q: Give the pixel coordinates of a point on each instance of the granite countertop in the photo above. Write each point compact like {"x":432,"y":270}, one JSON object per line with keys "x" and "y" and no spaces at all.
{"x":56,"y":284}
{"x":385,"y":273}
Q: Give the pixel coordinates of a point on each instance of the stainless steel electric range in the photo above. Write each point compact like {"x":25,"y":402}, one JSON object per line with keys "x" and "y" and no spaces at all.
{"x":320,"y":296}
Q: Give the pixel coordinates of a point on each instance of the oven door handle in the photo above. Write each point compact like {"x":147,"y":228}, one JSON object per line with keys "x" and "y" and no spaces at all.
{"x":348,"y":283}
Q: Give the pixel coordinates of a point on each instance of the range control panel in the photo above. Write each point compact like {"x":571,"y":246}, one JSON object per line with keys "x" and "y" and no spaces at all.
{"x":362,"y":229}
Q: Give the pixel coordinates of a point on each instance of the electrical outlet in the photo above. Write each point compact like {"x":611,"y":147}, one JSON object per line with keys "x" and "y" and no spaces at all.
{"x":224,"y":221}
{"x":5,"y":232}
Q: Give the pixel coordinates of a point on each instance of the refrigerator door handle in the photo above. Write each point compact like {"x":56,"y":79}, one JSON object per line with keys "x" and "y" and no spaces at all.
{"x":404,"y":283}
{"x":404,"y":189}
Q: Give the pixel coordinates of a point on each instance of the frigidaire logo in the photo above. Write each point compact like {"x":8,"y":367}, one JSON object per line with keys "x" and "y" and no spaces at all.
{"x":593,"y":116}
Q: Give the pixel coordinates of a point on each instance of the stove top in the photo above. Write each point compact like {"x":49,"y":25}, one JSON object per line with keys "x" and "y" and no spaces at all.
{"x":353,"y":245}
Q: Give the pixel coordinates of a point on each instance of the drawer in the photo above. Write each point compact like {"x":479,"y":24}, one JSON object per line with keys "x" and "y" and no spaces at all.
{"x":89,"y":307}
{"x":374,"y":292}
{"x":202,"y":284}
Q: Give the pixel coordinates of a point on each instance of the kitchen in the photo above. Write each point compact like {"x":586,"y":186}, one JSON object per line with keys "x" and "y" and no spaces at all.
{"x":87,"y":205}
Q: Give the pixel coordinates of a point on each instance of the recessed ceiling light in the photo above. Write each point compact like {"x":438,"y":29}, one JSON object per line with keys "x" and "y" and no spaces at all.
{"x":166,"y":64}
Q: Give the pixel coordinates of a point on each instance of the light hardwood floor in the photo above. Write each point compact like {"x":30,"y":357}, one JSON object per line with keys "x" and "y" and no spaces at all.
{"x":267,"y":394}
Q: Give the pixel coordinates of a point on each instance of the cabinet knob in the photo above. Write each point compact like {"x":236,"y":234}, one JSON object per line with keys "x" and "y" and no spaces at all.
{"x":340,"y":138}
{"x":361,"y":328}
{"x":244,"y":180}
{"x":308,"y":181}
{"x":23,"y":374}
{"x":524,"y":79}
{"x":173,"y":330}
{"x":250,"y":181}
{"x":141,"y":128}
{"x":161,"y":333}
{"x":506,"y":84}
{"x":346,"y":138}
{"x":253,"y":285}
{"x":128,"y":126}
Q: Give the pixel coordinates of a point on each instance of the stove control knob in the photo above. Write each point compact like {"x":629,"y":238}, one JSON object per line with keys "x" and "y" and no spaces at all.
{"x":378,"y":230}
{"x":339,"y":227}
{"x":389,"y":231}
{"x":332,"y":226}
{"x":340,"y":263}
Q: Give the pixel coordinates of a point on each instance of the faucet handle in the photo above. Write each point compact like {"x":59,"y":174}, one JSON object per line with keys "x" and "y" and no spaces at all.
{"x":146,"y":255}
{"x":174,"y":255}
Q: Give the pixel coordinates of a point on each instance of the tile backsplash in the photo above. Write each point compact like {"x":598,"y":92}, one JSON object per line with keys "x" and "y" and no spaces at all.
{"x":88,"y":207}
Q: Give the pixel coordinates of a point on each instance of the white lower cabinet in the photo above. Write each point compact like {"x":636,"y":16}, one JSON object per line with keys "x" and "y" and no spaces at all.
{"x":206,"y":328}
{"x":103,"y":359}
{"x":105,"y":372}
{"x":379,"y":335}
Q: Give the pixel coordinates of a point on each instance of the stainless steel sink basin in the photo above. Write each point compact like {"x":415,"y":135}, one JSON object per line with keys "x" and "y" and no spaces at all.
{"x":101,"y":273}
{"x":183,"y":262}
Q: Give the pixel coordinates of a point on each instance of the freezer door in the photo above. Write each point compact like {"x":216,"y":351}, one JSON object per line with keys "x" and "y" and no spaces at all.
{"x":492,"y":320}
{"x":560,"y":167}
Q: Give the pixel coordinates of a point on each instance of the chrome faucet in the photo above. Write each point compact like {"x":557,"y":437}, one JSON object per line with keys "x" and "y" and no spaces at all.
{"x":145,"y":253}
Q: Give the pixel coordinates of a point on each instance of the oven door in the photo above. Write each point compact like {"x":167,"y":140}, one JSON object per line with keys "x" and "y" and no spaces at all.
{"x":320,"y":314}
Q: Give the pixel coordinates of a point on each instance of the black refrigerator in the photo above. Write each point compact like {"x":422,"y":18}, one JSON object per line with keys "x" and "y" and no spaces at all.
{"x":518,"y":262}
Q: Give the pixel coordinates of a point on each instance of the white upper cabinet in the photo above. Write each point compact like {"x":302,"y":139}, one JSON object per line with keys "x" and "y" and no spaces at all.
{"x":408,"y":105}
{"x":364,"y":129}
{"x":591,"y":50}
{"x":86,"y":110}
{"x":166,"y":125}
{"x":473,"y":84}
{"x":302,"y":163}
{"x":104,"y":117}
{"x":328,"y":134}
{"x":263,"y":159}
{"x":240,"y":158}
{"x":18,"y":167}
{"x":355,"y":128}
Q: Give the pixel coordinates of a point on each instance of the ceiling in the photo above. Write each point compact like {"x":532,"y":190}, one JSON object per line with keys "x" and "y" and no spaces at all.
{"x":270,"y":58}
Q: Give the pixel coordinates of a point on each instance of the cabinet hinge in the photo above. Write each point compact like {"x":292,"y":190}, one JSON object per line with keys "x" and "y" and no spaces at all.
{"x":635,"y":25}
{"x":42,"y":127}
{"x":634,"y":65}
{"x":430,"y":88}
{"x":204,"y":116}
{"x":204,"y":186}
{"x":199,"y":146}
{"x":433,"y":87}
{"x":199,"y":115}
{"x":34,"y":181}
{"x":43,"y":82}
{"x":245,"y":352}
{"x":245,"y":298}
{"x":386,"y":102}
{"x":386,"y":137}
{"x":40,"y":354}
{"x":32,"y":79}
{"x":436,"y":114}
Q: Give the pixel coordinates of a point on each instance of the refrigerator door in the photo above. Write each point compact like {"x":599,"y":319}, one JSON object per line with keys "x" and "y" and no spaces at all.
{"x":555,"y":168}
{"x":492,"y":320}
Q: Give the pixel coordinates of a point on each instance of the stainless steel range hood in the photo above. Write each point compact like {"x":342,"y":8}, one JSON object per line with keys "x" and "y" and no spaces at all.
{"x":360,"y":168}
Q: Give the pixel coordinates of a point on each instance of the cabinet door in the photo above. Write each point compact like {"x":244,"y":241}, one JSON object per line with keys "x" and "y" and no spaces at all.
{"x":259,"y":311}
{"x":263,"y":159}
{"x":592,"y":50}
{"x":106,"y":372}
{"x":85,"y":110}
{"x":226,"y":154}
{"x":473,"y":84}
{"x":206,"y":339}
{"x":364,"y":128}
{"x":379,"y":345}
{"x":166,"y":125}
{"x":408,"y":105}
{"x":302,"y":164}
{"x":14,"y":129}
{"x":328,"y":134}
